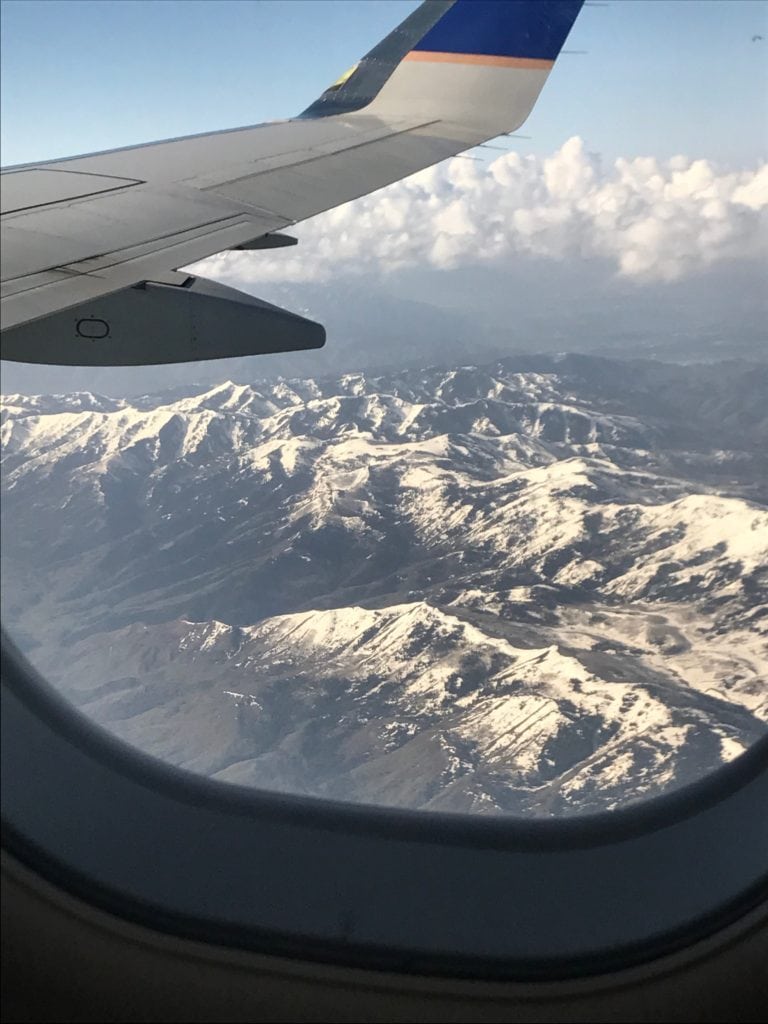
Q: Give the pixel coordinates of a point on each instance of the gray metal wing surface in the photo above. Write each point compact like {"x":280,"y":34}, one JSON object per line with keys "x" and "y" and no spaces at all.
{"x":86,"y":240}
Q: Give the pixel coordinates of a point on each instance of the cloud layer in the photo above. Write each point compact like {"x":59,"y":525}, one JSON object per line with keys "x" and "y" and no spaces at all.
{"x":653,"y":221}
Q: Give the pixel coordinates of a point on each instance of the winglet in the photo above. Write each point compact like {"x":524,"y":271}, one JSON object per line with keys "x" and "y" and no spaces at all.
{"x":473,"y":62}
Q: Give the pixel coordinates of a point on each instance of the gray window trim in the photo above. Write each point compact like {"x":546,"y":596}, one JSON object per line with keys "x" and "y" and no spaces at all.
{"x":497,"y":898}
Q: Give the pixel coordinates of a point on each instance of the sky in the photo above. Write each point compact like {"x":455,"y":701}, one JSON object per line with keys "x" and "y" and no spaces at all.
{"x":645,"y":162}
{"x":659,"y":78}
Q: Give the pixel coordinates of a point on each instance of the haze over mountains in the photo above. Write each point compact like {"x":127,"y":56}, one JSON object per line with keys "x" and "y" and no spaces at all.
{"x":537,"y":586}
{"x":421,"y":317}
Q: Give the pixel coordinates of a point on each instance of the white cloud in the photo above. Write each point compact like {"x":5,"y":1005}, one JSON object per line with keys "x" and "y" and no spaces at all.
{"x":651,"y":220}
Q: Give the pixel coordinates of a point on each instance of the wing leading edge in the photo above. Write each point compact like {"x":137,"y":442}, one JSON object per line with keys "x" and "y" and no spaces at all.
{"x":75,"y":231}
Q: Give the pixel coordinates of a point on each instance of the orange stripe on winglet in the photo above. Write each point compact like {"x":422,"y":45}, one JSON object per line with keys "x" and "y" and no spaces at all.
{"x":486,"y":60}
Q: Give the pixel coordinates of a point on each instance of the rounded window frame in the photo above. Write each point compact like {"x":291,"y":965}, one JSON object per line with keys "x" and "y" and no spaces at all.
{"x":479,"y":897}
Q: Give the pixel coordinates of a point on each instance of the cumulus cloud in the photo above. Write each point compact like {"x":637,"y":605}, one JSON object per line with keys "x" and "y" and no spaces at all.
{"x":651,"y":220}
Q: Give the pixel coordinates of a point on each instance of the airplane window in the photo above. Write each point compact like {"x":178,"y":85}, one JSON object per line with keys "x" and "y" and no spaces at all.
{"x":501,"y":548}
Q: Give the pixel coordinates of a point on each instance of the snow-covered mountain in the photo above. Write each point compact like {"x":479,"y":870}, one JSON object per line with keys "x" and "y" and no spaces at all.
{"x":535,"y":587}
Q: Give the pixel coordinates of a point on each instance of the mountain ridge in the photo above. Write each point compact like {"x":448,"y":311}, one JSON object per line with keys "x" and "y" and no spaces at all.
{"x":527,"y":512}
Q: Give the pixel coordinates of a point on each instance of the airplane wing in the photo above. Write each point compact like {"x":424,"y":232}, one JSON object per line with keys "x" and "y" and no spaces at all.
{"x":90,"y":244}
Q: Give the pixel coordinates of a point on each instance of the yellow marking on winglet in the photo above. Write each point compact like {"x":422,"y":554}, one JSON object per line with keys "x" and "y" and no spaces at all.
{"x":345,"y":77}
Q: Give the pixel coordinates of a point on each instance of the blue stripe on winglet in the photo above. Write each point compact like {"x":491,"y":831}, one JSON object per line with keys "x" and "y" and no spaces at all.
{"x":503,"y":28}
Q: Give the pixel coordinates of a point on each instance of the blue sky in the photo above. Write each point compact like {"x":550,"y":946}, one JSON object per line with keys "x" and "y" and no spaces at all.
{"x":661,"y":77}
